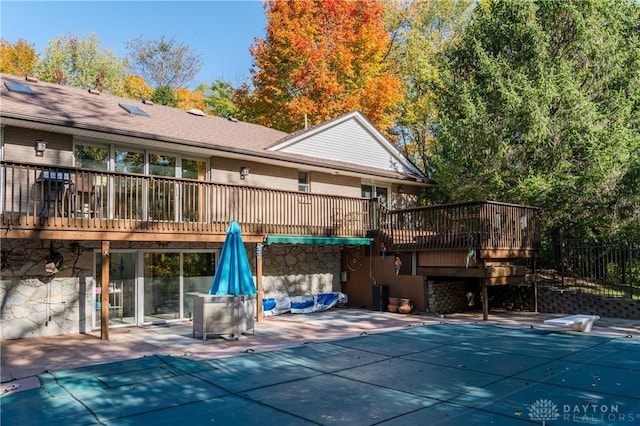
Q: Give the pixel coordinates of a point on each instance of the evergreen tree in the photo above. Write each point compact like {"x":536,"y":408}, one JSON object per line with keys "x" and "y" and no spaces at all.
{"x":163,"y":95}
{"x":541,"y":105}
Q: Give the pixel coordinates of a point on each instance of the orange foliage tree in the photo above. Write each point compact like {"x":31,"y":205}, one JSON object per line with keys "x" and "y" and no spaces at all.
{"x":136,"y":88}
{"x":188,"y":99}
{"x":18,"y":58}
{"x":321,"y":59}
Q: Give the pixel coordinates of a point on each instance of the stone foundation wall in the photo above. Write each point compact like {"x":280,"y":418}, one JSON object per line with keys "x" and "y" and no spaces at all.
{"x":296,"y":270}
{"x":555,"y":301}
{"x":36,"y":303}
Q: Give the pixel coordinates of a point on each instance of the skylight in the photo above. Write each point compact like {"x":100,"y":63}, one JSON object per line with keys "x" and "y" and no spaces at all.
{"x":131,"y":109}
{"x":19,"y":87}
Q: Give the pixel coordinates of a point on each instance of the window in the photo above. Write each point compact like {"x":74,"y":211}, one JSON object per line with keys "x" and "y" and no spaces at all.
{"x":91,"y":157}
{"x":193,"y":194}
{"x":129,"y":190}
{"x":162,"y":192}
{"x":126,"y":161}
{"x":129,"y":194}
{"x":372,"y":191}
{"x":91,"y":188}
{"x":194,"y":169}
{"x":162,"y":165}
{"x":303,"y":181}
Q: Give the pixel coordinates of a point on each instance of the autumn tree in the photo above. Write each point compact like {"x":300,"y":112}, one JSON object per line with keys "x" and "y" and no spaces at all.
{"x":163,"y":62}
{"x":79,"y":62}
{"x":420,"y":31}
{"x":17,"y":58}
{"x":320,"y":59}
{"x":136,"y":88}
{"x":541,"y":106}
{"x":189,"y":100}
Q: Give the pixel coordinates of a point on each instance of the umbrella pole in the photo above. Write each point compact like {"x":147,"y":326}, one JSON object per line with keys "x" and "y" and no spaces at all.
{"x":259,"y":282}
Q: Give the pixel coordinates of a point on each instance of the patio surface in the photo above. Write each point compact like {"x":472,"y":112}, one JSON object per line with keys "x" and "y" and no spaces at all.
{"x":342,"y":366}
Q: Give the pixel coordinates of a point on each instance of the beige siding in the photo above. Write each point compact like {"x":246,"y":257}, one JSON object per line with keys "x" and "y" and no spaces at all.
{"x":19,"y":145}
{"x":324,"y":183}
{"x":227,"y":171}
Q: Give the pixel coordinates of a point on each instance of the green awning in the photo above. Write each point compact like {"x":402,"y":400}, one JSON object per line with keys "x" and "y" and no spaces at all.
{"x":311,"y":239}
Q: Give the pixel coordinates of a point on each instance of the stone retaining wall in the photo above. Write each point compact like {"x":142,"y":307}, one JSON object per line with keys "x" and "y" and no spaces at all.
{"x":557,"y":301}
{"x":445,"y":297}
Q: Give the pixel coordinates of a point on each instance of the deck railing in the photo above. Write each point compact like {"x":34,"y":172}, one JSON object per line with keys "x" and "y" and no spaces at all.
{"x":34,"y":197}
{"x":478,"y":225}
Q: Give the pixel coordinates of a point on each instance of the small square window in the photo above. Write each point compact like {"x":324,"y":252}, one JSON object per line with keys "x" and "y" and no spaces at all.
{"x":303,"y":181}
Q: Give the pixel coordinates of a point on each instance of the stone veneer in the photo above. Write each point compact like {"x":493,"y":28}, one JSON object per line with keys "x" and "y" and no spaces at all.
{"x":35,"y":303}
{"x":295,"y":270}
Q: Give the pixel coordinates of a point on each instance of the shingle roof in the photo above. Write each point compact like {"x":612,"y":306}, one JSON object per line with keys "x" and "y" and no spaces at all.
{"x":78,"y":108}
{"x":75,"y":107}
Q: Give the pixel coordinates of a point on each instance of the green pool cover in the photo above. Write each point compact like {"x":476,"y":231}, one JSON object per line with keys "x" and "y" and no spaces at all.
{"x":447,"y":374}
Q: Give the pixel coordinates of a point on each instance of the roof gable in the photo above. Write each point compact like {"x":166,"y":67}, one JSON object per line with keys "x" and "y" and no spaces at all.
{"x":350,"y":138}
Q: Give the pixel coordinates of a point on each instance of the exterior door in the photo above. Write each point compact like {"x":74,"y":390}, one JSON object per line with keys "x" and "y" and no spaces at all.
{"x":168,"y":277}
{"x":161,"y":286}
{"x":122,"y":289}
{"x":151,"y":287}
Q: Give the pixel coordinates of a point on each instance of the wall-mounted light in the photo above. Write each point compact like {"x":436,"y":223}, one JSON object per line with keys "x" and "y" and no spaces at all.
{"x":244,"y":172}
{"x":41,"y":147}
{"x":400,"y":189}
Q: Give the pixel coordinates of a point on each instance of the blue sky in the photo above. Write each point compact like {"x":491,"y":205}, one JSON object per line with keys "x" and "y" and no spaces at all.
{"x":221,"y":32}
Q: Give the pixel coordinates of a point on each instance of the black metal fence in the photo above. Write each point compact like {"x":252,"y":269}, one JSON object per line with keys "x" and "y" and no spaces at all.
{"x":609,"y":268}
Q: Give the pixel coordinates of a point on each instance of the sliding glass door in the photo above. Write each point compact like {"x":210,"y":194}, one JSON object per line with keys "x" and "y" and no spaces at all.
{"x":122,"y":289}
{"x":151,"y":286}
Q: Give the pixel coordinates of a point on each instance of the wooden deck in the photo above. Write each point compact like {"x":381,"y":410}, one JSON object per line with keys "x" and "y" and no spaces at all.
{"x":483,"y":241}
{"x":76,"y":204}
{"x":79,"y":204}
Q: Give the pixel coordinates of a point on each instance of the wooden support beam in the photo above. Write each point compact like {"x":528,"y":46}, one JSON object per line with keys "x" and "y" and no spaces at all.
{"x":115,"y":235}
{"x":104,"y":292}
{"x":485,"y":301}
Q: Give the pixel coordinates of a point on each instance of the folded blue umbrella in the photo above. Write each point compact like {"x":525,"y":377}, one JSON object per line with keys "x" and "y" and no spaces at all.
{"x":233,"y":272}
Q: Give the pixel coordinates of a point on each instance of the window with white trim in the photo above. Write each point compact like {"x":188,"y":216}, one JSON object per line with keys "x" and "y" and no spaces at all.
{"x":303,"y":181}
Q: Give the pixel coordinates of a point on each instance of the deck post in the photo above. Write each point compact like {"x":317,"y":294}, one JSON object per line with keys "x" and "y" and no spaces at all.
{"x":259,"y":248}
{"x":535,"y":287}
{"x":104,"y":292}
{"x":485,"y":300}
